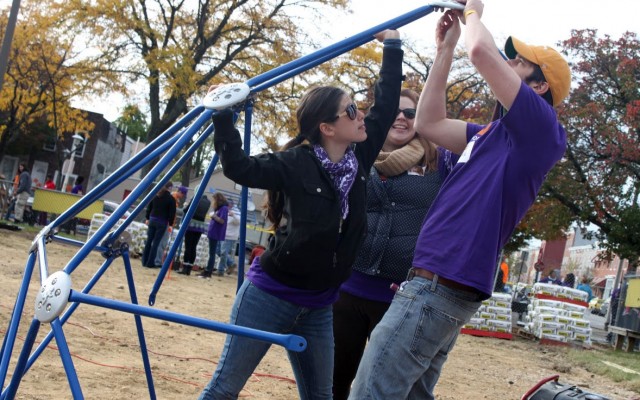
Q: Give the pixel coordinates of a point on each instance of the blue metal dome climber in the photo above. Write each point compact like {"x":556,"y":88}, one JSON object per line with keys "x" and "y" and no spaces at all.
{"x":56,"y":300}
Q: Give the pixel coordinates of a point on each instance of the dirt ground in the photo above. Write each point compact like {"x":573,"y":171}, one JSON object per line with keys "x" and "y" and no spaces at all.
{"x":106,"y":353}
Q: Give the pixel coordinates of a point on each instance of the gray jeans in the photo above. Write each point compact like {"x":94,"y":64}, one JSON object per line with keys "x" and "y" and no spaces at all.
{"x":162,"y":246}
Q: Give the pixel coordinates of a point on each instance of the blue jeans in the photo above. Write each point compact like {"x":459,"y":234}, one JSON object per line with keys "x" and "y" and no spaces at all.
{"x":409,"y":346}
{"x":211,"y":262}
{"x":154,"y":235}
{"x":227,"y":255}
{"x":255,"y":308}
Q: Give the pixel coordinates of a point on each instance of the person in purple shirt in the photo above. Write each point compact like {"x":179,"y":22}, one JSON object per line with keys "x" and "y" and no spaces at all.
{"x":317,"y":205}
{"x":552,"y":278}
{"x":500,"y":170}
{"x":215,"y":231}
{"x":77,"y":188}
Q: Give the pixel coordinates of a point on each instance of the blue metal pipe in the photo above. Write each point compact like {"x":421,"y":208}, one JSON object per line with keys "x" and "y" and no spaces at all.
{"x":290,"y":342}
{"x":68,"y":312}
{"x":139,"y":329}
{"x":16,"y":316}
{"x":125,"y":170}
{"x":187,"y":217}
{"x":67,"y":361}
{"x":309,"y":61}
{"x":21,"y":365}
{"x":136,"y":193}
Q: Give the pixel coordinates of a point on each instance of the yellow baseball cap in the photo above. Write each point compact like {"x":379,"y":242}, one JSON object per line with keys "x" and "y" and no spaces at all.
{"x":554,"y":67}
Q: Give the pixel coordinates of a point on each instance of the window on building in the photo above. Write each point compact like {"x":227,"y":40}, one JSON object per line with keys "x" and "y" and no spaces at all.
{"x":49,"y":144}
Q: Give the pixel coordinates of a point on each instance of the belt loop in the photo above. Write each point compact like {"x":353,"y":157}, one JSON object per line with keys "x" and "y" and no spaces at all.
{"x":434,"y":283}
{"x":411,"y":274}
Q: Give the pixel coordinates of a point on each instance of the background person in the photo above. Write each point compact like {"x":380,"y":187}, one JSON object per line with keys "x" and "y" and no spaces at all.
{"x":49,"y":183}
{"x":216,"y":231}
{"x":78,"y":188}
{"x":569,"y":280}
{"x":504,"y":267}
{"x":552,"y":278}
{"x":402,"y":184}
{"x":161,"y":213}
{"x":585,"y":287}
{"x":179,"y":195}
{"x":22,"y":192}
{"x":228,"y":245}
{"x":195,"y":229}
{"x":319,"y":226}
{"x":476,"y":210}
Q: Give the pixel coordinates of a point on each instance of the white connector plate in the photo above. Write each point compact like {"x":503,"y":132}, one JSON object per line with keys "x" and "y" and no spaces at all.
{"x":226,"y":96}
{"x":53,"y":296}
{"x":447,"y":4}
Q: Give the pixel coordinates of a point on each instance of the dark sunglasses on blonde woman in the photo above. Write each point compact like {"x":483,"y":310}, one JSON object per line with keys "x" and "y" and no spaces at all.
{"x":409,"y":113}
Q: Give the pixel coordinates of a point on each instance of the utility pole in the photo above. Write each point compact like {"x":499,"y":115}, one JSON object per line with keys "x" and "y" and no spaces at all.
{"x":8,"y":38}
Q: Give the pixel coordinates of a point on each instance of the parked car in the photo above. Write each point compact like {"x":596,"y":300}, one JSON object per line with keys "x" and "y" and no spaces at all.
{"x":599,"y":306}
{"x":110,"y":206}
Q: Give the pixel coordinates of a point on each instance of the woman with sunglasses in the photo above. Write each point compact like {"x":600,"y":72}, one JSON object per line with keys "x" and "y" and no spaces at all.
{"x":317,"y":204}
{"x":403,"y":182}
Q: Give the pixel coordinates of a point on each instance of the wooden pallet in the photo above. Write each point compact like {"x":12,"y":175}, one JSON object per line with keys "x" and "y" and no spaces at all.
{"x":620,"y":334}
{"x":526,"y":335}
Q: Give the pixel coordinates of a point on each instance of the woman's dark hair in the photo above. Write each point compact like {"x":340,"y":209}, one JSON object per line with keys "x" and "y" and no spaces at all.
{"x":319,"y":105}
{"x":79,"y":180}
{"x":570,"y":279}
{"x":430,"y":160}
{"x":219,"y":200}
{"x":538,"y":76}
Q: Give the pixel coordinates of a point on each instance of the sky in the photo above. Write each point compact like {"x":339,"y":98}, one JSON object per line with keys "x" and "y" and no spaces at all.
{"x":541,"y":22}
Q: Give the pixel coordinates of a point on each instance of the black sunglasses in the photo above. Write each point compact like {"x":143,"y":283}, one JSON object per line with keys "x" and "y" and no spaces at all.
{"x":409,"y":113}
{"x":351,"y":111}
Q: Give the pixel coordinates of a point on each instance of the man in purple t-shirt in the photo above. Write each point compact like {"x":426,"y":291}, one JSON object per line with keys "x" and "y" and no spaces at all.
{"x":501,"y":168}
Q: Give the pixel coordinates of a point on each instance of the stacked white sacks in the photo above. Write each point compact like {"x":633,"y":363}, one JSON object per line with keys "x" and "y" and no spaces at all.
{"x":137,"y":230}
{"x":202,"y":250}
{"x":558,"y":319}
{"x":494,"y":315}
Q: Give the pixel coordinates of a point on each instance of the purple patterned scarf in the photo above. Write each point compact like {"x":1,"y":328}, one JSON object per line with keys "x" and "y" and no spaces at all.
{"x":343,"y":174}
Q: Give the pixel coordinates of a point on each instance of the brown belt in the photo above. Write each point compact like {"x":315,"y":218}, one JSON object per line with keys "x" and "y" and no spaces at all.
{"x":423,"y":273}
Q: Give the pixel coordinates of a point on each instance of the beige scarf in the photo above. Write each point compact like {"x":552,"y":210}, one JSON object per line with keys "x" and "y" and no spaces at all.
{"x":392,"y":163}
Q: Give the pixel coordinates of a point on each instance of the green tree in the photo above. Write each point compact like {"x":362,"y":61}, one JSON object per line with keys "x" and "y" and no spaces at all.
{"x":598,"y":179}
{"x":133,"y":122}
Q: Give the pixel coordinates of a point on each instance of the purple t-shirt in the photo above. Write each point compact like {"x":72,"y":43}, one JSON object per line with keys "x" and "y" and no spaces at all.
{"x":369,"y":287}
{"x":489,"y":190}
{"x":216,"y":231}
